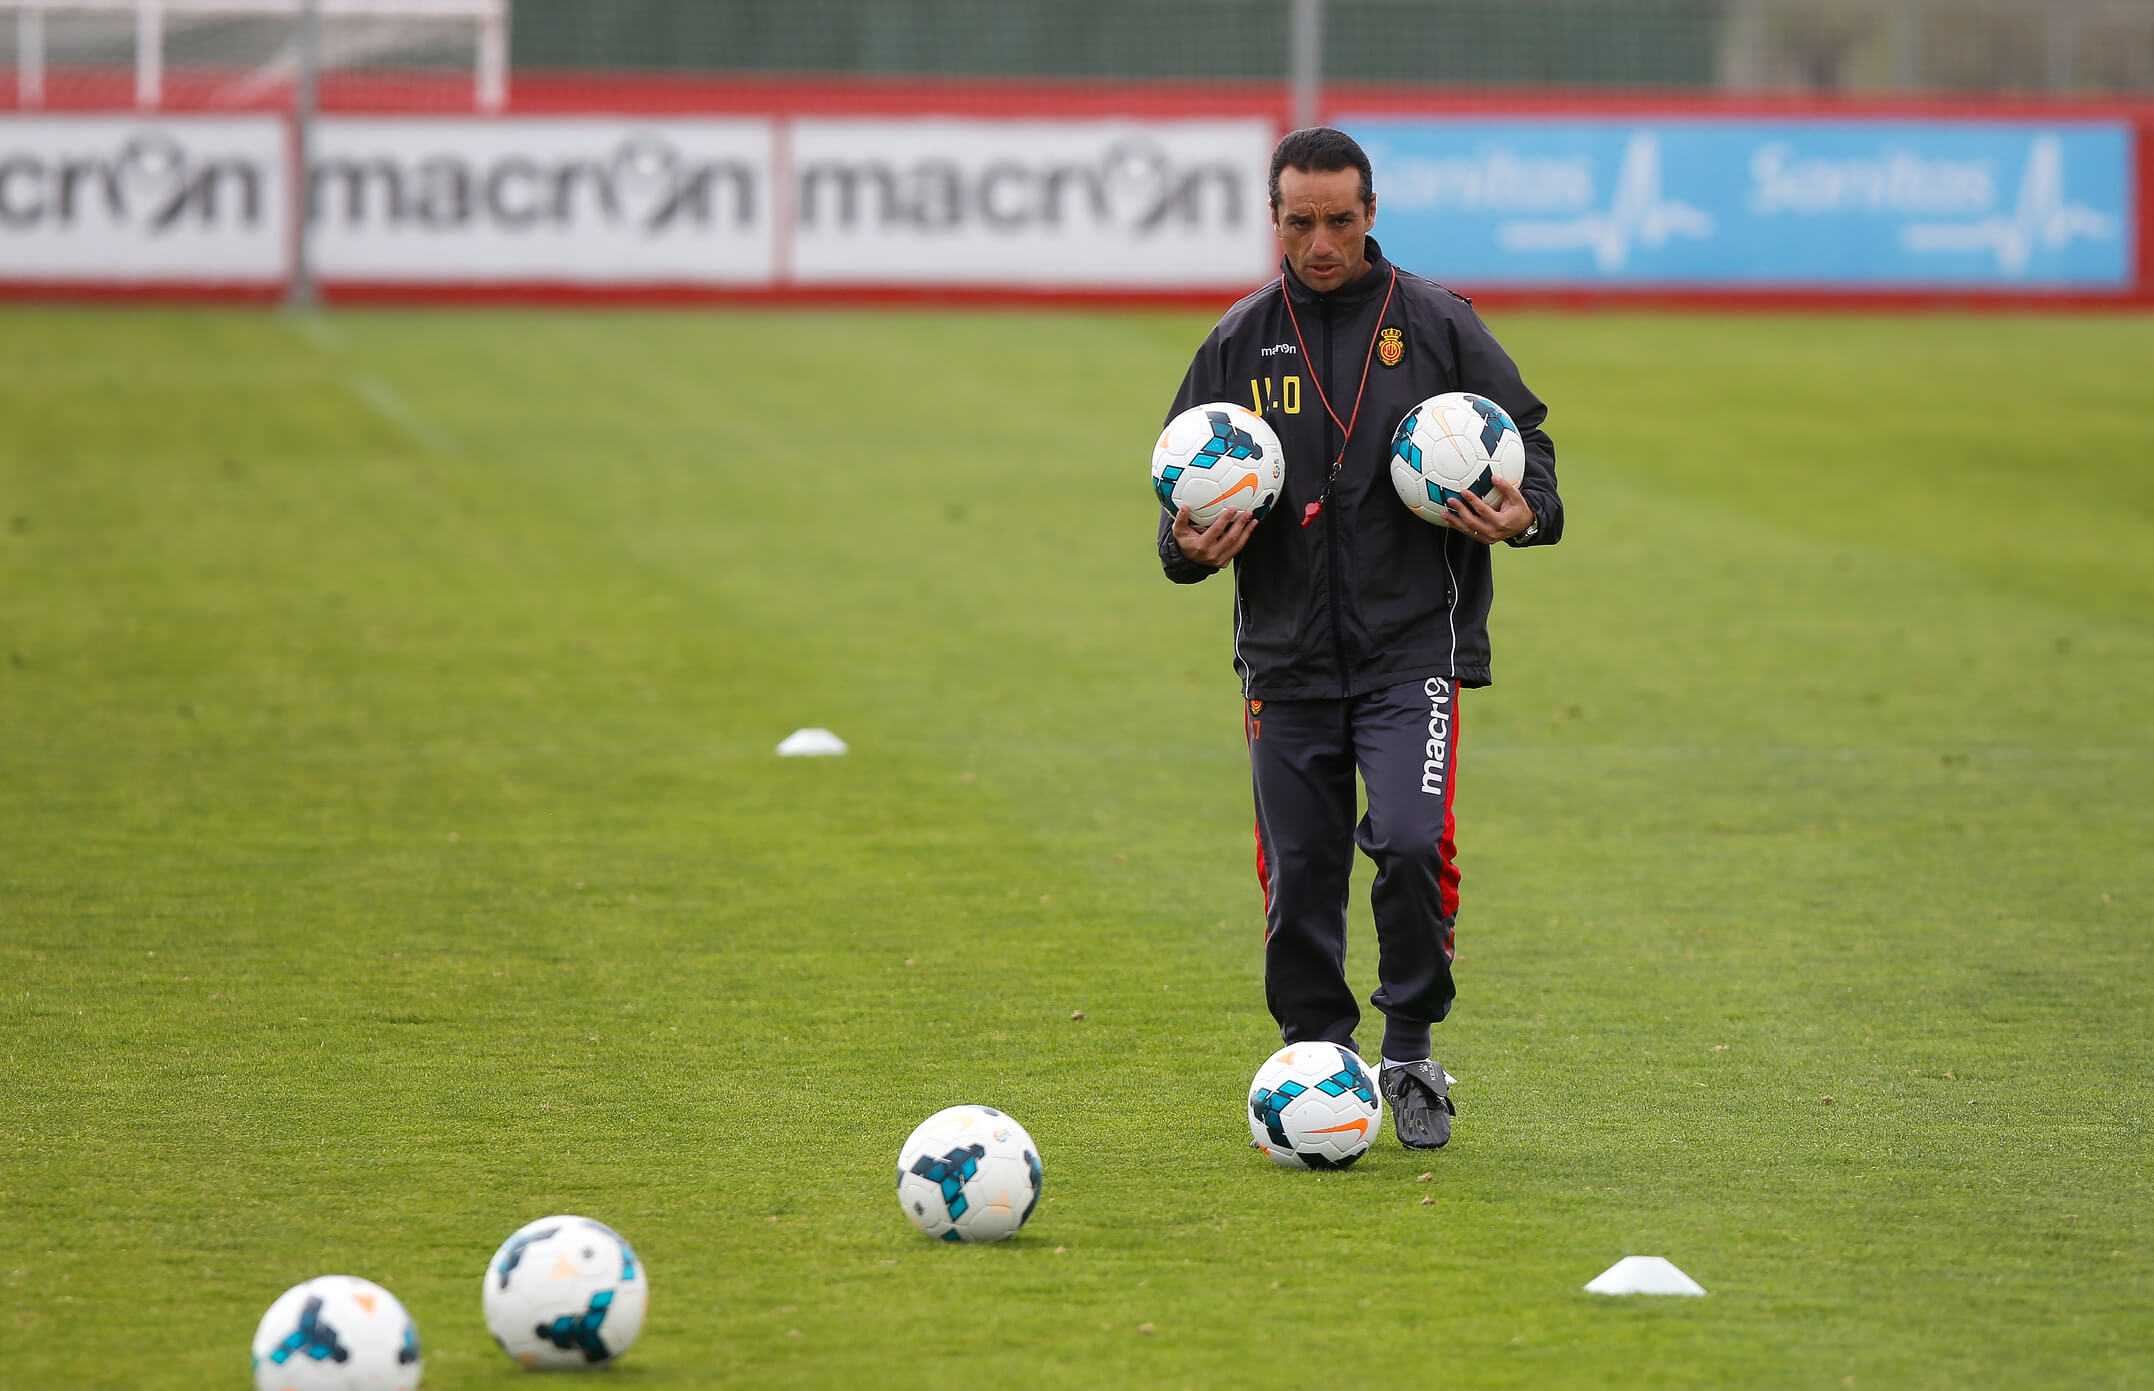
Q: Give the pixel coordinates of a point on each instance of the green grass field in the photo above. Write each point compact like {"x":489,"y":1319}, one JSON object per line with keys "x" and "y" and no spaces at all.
{"x":392,"y":850}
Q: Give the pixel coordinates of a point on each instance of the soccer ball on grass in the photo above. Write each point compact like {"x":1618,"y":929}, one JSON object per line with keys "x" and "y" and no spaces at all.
{"x":1314,"y":1106}
{"x":336,"y":1333}
{"x":968,"y":1173}
{"x":565,"y":1292}
{"x":1216,"y":456}
{"x":1451,"y":444}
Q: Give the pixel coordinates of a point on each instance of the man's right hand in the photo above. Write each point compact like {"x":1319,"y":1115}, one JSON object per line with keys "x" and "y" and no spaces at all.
{"x":1218,"y":543}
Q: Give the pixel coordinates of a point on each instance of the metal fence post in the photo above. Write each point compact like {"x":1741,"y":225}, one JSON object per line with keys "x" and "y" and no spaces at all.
{"x":1742,"y":46}
{"x":30,"y":56}
{"x":149,"y":53}
{"x":2063,"y":44}
{"x":1305,"y":61}
{"x":493,"y":58}
{"x":1905,"y":31}
{"x":299,"y":291}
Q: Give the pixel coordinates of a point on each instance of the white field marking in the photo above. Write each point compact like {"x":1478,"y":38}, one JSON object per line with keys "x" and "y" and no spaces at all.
{"x":374,"y":393}
{"x":317,"y":329}
{"x":382,"y":399}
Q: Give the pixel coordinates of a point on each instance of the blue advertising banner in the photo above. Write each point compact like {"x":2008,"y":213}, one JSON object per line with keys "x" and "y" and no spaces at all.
{"x":1755,"y":203}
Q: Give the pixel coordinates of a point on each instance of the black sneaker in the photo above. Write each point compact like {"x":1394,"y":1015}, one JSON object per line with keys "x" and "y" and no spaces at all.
{"x":1420,"y":1102}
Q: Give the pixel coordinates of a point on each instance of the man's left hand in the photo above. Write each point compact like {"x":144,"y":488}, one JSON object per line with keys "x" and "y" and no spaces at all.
{"x":1498,"y":519}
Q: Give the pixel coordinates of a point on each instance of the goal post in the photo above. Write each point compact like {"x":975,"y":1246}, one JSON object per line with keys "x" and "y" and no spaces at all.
{"x":256,"y":44}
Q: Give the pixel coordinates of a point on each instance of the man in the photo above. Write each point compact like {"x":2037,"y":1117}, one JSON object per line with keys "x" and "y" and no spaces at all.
{"x":1356,"y":622}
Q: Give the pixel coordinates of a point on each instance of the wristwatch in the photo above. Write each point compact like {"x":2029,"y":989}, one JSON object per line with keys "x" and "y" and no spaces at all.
{"x":1533,"y":529}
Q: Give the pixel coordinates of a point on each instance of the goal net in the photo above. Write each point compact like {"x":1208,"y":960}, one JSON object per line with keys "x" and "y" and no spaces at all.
{"x":237,"y":55}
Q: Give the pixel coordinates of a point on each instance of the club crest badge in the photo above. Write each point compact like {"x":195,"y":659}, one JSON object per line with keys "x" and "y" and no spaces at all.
{"x":1256,"y":707}
{"x":1391,"y":347}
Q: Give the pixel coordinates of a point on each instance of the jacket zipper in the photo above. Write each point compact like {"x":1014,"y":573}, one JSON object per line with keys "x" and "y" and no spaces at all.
{"x":1331,"y":534}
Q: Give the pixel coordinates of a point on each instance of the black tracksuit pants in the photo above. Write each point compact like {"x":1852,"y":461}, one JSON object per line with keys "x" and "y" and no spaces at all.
{"x":1302,"y":759}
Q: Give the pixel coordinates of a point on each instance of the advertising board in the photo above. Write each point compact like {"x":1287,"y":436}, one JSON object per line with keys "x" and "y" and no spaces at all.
{"x":126,"y":200}
{"x":574,"y":200}
{"x":2041,"y":205}
{"x":1031,"y":203}
{"x":1779,"y":203}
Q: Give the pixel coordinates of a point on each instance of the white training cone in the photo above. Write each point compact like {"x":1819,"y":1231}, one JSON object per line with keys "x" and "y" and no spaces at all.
{"x":810,"y":743}
{"x":1643,"y":1275}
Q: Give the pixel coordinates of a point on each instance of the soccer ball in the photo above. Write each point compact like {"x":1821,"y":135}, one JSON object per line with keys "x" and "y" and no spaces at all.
{"x":968,"y":1173}
{"x":565,"y":1292}
{"x":336,"y":1333}
{"x":1451,"y":444}
{"x":1314,"y":1106}
{"x":1216,"y":456}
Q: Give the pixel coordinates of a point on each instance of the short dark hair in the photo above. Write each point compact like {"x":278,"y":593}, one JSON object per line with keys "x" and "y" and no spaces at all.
{"x":1320,"y":150}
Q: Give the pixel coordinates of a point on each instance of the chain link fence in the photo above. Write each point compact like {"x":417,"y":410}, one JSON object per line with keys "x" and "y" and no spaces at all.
{"x":1956,"y":46}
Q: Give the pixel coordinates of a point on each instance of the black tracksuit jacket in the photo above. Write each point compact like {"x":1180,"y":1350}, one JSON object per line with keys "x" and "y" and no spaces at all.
{"x":1368,"y":595}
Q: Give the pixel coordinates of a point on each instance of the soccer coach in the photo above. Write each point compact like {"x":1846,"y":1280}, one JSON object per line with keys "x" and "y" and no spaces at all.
{"x":1355,"y":622}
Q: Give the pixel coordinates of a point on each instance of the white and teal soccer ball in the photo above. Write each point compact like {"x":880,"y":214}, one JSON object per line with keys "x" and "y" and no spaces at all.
{"x":1314,"y":1106}
{"x":565,"y":1292}
{"x":1451,"y":444}
{"x":968,"y":1173}
{"x":336,"y":1333}
{"x":1216,"y":456}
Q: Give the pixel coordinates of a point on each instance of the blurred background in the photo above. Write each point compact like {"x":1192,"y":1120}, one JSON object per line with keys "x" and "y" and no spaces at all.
{"x":238,"y":52}
{"x":964,"y":148}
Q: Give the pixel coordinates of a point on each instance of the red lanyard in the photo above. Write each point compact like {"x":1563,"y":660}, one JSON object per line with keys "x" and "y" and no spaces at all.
{"x":1346,"y":426}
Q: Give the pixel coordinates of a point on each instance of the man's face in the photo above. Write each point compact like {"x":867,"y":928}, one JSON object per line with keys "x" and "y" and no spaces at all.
{"x":1322,"y":225}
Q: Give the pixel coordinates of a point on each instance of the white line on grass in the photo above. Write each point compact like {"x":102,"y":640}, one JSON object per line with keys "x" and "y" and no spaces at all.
{"x":319,"y":331}
{"x":376,"y":394}
{"x":382,"y":399}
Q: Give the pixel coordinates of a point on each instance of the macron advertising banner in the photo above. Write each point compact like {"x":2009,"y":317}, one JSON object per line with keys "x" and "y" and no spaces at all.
{"x":124,"y":200}
{"x":1740,"y":203}
{"x":1036,"y":204}
{"x":621,"y":201}
{"x":576,"y":200}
